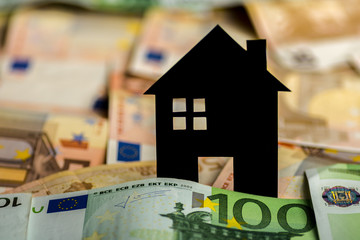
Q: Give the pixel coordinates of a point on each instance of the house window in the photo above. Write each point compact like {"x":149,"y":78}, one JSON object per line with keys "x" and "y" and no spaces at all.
{"x":179,"y":123}
{"x":179,"y":104}
{"x":199,"y":105}
{"x":189,"y":114}
{"x":199,"y":123}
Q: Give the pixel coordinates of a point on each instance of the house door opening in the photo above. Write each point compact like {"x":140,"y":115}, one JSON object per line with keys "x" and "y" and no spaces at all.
{"x":216,"y":171}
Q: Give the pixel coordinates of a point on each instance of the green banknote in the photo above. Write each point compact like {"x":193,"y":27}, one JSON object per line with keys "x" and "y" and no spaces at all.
{"x":335,"y":196}
{"x":168,"y":209}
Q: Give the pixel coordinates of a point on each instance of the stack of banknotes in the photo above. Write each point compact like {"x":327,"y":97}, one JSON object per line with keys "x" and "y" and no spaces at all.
{"x":78,"y":137}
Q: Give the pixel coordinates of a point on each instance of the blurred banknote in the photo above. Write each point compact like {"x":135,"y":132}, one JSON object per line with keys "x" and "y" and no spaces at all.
{"x":225,"y":179}
{"x":56,"y":60}
{"x":323,"y":110}
{"x":293,"y":161}
{"x":3,"y":23}
{"x":335,"y":197}
{"x":167,"y":35}
{"x":168,"y":209}
{"x":210,"y":168}
{"x":125,"y":6}
{"x":78,"y":141}
{"x":34,"y":145}
{"x":132,"y":121}
{"x":57,"y":86}
{"x":88,"y":178}
{"x":25,"y":156}
{"x":308,"y":35}
{"x":61,"y":34}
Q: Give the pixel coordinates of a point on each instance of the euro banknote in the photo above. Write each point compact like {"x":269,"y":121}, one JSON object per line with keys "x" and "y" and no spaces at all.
{"x":88,"y":178}
{"x":131,"y":120}
{"x":72,"y":49}
{"x":65,"y":34}
{"x":322,"y":110}
{"x":168,"y":34}
{"x":163,"y":208}
{"x":106,"y":175}
{"x":335,"y":197}
{"x":35,"y":145}
{"x":308,"y":35}
{"x":293,"y":161}
{"x":15,"y":210}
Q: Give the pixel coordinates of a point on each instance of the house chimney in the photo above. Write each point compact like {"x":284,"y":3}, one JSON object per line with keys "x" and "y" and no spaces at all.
{"x":257,"y":53}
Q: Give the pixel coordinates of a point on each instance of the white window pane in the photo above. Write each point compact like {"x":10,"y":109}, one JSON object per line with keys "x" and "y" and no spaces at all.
{"x":179,"y":123}
{"x":200,"y":123}
{"x":199,"y":105}
{"x":179,"y":105}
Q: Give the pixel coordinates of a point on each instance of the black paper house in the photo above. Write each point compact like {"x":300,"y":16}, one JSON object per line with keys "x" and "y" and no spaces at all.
{"x":219,"y":100}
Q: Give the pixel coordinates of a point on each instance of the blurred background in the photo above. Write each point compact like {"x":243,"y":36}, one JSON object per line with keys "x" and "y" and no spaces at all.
{"x":72,"y":75}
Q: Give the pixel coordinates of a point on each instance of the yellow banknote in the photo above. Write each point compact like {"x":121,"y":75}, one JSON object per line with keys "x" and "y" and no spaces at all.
{"x":308,"y":35}
{"x":106,"y":175}
{"x":89,"y":178}
{"x":322,"y":110}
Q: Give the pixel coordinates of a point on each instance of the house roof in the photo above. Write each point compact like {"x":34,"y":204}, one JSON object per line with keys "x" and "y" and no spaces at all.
{"x":216,"y":63}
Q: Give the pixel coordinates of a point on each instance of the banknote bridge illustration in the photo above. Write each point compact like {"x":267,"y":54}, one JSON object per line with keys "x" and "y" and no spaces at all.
{"x":220,"y":100}
{"x":25,"y":156}
{"x":196,"y":225}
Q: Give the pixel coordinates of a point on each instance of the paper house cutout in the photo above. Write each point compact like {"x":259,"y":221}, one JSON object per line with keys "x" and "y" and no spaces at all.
{"x":219,"y":100}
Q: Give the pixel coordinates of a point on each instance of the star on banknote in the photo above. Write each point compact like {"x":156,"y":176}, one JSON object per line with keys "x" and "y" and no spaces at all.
{"x":233,"y":223}
{"x":79,"y":137}
{"x":207,"y":203}
{"x":22,"y":155}
{"x":108,"y":216}
{"x":356,"y":158}
{"x":95,"y":236}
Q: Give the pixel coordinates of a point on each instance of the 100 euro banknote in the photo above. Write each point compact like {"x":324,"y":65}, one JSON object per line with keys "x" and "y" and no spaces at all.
{"x":335,"y":197}
{"x":164,"y":209}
